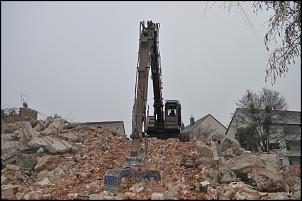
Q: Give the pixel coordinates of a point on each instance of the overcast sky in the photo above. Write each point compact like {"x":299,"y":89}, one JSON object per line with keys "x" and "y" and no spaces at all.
{"x":78,"y":59}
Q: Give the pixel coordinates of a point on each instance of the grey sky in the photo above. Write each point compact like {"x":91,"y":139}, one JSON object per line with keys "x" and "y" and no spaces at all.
{"x":78,"y":59}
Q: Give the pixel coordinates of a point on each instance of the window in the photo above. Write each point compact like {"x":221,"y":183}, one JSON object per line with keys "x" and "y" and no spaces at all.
{"x":171,"y":113}
{"x":274,"y":146}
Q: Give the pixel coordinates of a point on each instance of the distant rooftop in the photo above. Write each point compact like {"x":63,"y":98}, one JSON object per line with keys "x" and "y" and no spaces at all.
{"x":115,"y":125}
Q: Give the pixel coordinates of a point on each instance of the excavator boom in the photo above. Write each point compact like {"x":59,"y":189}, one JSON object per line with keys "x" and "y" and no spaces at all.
{"x":136,"y":157}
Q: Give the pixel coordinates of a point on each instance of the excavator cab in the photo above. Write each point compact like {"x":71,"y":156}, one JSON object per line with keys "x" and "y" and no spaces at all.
{"x":172,"y":118}
{"x":171,"y":126}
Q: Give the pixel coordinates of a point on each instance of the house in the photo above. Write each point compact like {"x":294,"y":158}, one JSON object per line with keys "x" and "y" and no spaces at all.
{"x":118,"y":126}
{"x":283,"y":123}
{"x":25,"y":114}
{"x":205,"y":126}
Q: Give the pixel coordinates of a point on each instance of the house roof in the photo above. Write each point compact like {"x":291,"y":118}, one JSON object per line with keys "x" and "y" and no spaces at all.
{"x":278,"y":117}
{"x":286,"y":117}
{"x":116,"y":125}
{"x":189,"y":128}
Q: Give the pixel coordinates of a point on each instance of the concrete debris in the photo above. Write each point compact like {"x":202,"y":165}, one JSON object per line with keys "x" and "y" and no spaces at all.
{"x":59,"y":160}
{"x":275,"y":196}
{"x":40,"y":150}
{"x":34,"y":195}
{"x":269,"y":180}
{"x":226,"y":175}
{"x":247,"y":194}
{"x":26,"y":161}
{"x":52,"y":144}
{"x":204,"y":150}
{"x":229,"y":148}
{"x":43,"y":162}
{"x":157,"y":196}
{"x":101,"y":196}
{"x":13,"y":167}
{"x":45,"y":181}
{"x":8,"y":190}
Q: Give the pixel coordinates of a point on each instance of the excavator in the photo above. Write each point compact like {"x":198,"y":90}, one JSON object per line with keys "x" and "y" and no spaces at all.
{"x":164,"y":124}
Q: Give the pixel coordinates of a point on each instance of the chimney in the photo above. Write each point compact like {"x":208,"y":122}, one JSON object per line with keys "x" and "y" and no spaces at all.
{"x":192,"y":121}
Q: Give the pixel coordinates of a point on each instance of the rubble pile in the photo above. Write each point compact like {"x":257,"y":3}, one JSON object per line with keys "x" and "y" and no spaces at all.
{"x":60,"y":160}
{"x":57,"y":160}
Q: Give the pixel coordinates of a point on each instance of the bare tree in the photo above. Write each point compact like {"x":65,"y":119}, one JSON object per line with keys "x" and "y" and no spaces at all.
{"x":284,"y":29}
{"x":285,"y":23}
{"x":256,"y":110}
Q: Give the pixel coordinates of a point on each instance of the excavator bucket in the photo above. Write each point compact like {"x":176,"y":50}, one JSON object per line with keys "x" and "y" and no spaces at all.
{"x":113,"y":177}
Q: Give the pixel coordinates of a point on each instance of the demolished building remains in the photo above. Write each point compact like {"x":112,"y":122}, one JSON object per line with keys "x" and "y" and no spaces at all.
{"x":57,"y":159}
{"x":284,"y":123}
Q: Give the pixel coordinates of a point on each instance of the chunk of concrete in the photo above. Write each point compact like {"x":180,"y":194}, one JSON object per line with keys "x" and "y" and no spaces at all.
{"x":226,"y":175}
{"x":43,"y":162}
{"x":26,"y":161}
{"x":268,"y":180}
{"x":45,"y":181}
{"x":13,"y":167}
{"x":29,"y":132}
{"x":157,"y":196}
{"x":274,"y":196}
{"x":101,"y":196}
{"x":33,"y":195}
{"x":55,"y":124}
{"x":247,"y":193}
{"x":8,"y":190}
{"x":204,"y":151}
{"x":229,"y":147}
{"x":52,"y":144}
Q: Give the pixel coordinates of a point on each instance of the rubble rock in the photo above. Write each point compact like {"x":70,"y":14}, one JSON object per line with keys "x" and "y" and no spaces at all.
{"x":13,"y":167}
{"x":33,"y":195}
{"x":168,"y":195}
{"x":229,"y":147}
{"x":40,"y":150}
{"x":274,"y":196}
{"x":43,"y":162}
{"x":52,"y":144}
{"x":45,"y":181}
{"x":8,"y":190}
{"x":53,"y":125}
{"x":29,"y":132}
{"x":33,"y":122}
{"x":101,"y":196}
{"x":189,"y":161}
{"x":296,"y":195}
{"x":130,"y":195}
{"x":228,"y":193}
{"x":157,"y":196}
{"x":204,"y":150}
{"x":268,"y":180}
{"x":26,"y":161}
{"x":226,"y":175}
{"x":244,"y":164}
{"x":46,"y":196}
{"x":212,"y":193}
{"x":71,"y":137}
{"x":137,"y":188}
{"x":3,"y":180}
{"x":247,"y":193}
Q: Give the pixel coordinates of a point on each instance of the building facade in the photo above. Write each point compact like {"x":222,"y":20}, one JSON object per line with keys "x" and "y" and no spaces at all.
{"x":205,"y":126}
{"x":285,"y":137}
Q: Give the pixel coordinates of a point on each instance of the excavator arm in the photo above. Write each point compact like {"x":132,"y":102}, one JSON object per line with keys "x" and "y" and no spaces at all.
{"x":148,"y":55}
